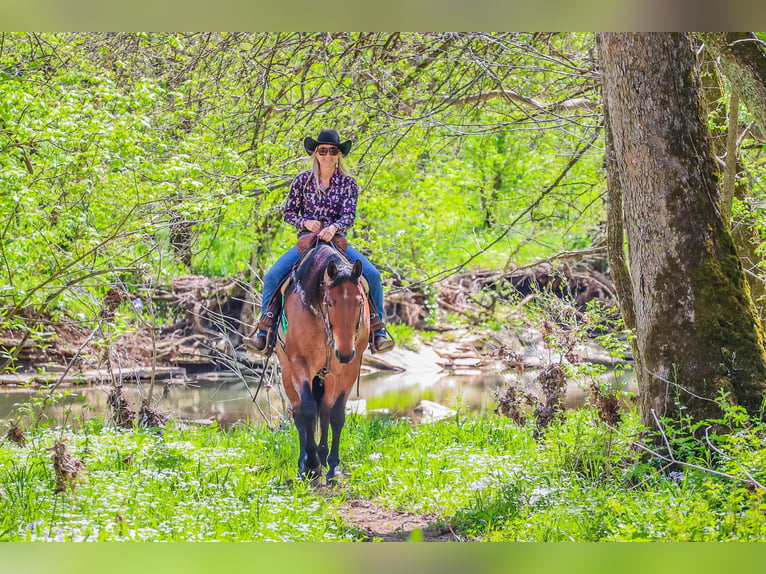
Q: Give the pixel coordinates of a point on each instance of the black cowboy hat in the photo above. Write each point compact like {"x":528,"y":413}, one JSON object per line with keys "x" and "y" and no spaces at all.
{"x":328,"y":137}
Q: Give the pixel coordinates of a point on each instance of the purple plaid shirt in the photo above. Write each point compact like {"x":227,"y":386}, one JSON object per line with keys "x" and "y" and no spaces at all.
{"x":333,"y":206}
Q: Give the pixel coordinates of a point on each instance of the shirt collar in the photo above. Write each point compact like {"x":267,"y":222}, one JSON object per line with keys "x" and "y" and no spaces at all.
{"x":334,"y":178}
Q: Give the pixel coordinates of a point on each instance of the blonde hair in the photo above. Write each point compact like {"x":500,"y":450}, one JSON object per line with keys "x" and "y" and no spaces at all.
{"x":341,"y":167}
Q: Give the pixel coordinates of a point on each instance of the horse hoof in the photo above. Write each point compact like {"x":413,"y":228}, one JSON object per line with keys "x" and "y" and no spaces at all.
{"x":312,"y":475}
{"x":334,"y":477}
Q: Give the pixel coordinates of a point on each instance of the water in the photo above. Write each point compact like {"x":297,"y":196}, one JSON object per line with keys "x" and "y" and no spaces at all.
{"x":228,"y":399}
{"x":430,"y":373}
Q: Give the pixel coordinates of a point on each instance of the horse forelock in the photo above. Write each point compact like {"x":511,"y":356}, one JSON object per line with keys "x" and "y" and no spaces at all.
{"x":309,"y":275}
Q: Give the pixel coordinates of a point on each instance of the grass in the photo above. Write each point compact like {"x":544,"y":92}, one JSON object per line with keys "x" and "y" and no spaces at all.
{"x":485,"y":477}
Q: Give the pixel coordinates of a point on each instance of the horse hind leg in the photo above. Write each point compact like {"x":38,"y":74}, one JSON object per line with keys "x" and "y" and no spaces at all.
{"x":317,"y":389}
{"x":324,"y":423}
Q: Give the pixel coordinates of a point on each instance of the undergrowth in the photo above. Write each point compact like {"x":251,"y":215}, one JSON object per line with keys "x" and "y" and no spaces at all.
{"x":482,"y":478}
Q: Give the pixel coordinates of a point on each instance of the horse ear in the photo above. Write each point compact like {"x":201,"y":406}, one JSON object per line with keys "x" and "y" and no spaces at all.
{"x":356,"y":270}
{"x":332,"y":270}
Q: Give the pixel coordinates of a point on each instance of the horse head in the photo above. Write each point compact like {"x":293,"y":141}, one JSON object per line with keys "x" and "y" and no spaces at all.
{"x":343,"y":305}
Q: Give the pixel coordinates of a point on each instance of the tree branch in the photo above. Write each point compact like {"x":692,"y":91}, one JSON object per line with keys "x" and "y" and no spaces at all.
{"x":441,"y":275}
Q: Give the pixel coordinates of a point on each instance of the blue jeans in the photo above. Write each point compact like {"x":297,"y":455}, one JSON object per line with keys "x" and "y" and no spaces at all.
{"x":284,"y":264}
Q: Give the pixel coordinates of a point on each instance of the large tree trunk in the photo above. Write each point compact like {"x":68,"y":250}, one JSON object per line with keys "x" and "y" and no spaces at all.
{"x":695,"y":324}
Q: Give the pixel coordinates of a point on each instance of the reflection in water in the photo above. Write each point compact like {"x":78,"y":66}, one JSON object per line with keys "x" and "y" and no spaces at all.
{"x":229,"y":400}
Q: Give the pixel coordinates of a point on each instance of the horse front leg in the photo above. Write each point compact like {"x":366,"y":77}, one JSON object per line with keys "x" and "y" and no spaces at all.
{"x":324,"y":423}
{"x":337,"y":420}
{"x":305,"y":417}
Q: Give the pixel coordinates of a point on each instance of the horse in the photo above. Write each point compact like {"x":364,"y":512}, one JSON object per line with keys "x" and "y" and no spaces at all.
{"x":320,"y":354}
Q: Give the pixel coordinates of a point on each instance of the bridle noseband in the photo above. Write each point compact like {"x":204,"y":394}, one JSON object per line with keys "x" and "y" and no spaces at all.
{"x":324,"y":314}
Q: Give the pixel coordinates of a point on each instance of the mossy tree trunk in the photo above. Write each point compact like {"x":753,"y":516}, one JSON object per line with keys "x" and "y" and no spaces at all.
{"x":696,"y":329}
{"x":725,"y":135}
{"x":743,"y":59}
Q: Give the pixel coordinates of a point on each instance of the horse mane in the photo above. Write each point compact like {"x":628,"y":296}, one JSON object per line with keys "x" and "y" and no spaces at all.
{"x":309,"y":274}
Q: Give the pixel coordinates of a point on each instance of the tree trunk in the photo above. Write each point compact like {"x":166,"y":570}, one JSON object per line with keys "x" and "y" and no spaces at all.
{"x":695,"y":322}
{"x":743,"y":59}
{"x":725,"y":134}
{"x":615,"y":232}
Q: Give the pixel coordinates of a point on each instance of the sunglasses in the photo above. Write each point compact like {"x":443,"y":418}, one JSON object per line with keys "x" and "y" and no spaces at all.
{"x":326,"y":150}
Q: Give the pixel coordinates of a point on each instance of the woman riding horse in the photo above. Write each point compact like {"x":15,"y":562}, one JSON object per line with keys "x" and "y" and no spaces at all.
{"x":322,"y":200}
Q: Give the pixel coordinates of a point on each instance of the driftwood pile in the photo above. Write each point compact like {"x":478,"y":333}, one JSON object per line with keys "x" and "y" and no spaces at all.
{"x":198,"y":323}
{"x":209,"y":319}
{"x":475,"y":292}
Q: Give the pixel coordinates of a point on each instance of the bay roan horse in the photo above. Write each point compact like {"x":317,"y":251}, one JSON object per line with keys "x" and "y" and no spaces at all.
{"x":328,"y":322}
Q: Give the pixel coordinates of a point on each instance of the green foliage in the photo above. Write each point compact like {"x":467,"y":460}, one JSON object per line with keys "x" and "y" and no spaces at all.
{"x":487,"y":478}
{"x":128,"y":159}
{"x":180,"y":485}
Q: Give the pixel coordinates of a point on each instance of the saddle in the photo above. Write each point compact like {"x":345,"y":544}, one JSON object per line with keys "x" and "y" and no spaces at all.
{"x":309,"y":240}
{"x":273,"y":315}
{"x":305,"y":244}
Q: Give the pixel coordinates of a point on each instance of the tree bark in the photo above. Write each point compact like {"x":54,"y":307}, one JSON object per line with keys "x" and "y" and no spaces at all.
{"x":696,"y":329}
{"x":725,"y":135}
{"x":616,"y":234}
{"x":743,"y":59}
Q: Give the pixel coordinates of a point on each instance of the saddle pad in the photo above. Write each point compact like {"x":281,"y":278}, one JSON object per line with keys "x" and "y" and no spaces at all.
{"x":282,"y":327}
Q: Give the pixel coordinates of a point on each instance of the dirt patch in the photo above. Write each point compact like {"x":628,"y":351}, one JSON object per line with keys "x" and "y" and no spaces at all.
{"x":378,"y":523}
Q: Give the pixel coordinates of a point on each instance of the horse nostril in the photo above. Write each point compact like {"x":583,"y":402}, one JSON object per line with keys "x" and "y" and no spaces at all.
{"x":344,"y":359}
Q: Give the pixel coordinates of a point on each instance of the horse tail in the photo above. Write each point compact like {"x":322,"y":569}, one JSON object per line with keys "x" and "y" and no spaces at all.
{"x":317,"y":388}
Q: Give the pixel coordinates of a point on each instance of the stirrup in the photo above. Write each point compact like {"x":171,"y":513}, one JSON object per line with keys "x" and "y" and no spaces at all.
{"x":266,"y":323}
{"x":252,"y":346}
{"x":386,"y":343}
{"x":376,"y":324}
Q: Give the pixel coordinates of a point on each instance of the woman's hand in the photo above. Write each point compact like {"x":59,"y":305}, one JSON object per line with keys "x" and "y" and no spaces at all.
{"x":312,"y":225}
{"x":328,"y":233}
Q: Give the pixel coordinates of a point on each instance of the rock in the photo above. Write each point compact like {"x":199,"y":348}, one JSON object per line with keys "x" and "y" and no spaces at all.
{"x":429,"y":411}
{"x":461,"y":363}
{"x":356,"y":407}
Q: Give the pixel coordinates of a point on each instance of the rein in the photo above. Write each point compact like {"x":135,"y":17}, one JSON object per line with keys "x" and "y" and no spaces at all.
{"x":320,"y":306}
{"x":323,"y":313}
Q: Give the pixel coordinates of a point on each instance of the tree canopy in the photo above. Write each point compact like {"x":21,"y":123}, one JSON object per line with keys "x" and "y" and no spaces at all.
{"x":136,"y":156}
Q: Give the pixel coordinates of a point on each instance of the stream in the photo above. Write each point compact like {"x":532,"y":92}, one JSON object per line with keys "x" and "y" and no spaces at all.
{"x":426,"y":379}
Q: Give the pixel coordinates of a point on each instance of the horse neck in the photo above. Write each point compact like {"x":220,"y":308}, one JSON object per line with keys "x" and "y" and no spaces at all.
{"x":308,"y":277}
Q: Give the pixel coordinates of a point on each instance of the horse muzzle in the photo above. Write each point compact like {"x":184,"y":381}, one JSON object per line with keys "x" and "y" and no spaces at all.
{"x":345,"y":358}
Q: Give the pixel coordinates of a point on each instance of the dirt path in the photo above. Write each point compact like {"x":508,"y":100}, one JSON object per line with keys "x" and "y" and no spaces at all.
{"x":378,"y":523}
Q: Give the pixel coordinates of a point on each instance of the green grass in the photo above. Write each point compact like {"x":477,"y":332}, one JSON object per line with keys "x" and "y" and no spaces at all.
{"x":485,"y":477}
{"x":400,"y":401}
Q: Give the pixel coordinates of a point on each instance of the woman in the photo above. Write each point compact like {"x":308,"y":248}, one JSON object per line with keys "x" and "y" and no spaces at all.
{"x":323,"y":199}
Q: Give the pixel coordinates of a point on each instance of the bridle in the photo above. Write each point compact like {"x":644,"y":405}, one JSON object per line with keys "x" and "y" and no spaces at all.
{"x":324,"y":314}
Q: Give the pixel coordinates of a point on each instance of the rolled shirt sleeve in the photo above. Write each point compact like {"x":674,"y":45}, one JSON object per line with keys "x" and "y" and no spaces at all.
{"x":349,"y":198}
{"x":294,"y":206}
